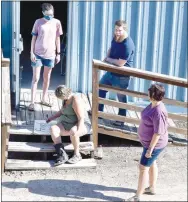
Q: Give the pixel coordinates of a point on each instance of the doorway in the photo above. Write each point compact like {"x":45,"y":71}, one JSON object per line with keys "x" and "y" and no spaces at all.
{"x":29,"y":12}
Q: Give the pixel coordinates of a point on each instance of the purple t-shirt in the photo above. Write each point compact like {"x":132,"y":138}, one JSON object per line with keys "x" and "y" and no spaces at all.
{"x":46,"y":32}
{"x":154,"y":120}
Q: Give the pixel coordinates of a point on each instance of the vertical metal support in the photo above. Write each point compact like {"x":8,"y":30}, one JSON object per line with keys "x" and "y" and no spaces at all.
{"x":16,"y":49}
{"x":95,"y":91}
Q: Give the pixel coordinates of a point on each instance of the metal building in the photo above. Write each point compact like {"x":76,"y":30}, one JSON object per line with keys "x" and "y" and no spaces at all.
{"x":158,"y":29}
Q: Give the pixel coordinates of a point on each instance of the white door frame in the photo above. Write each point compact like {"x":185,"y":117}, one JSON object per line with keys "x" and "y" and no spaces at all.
{"x":16,"y":50}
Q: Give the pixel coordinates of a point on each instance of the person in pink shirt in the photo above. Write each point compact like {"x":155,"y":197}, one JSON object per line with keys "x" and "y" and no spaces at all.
{"x":45,"y":50}
{"x":153,"y":135}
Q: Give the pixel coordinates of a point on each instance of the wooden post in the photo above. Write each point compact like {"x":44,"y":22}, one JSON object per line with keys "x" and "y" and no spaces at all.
{"x":95,"y":91}
{"x":6,"y":109}
{"x":4,"y":146}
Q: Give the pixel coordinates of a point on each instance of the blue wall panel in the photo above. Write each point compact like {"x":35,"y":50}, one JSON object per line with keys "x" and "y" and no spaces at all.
{"x":159,"y":30}
{"x":6,"y":28}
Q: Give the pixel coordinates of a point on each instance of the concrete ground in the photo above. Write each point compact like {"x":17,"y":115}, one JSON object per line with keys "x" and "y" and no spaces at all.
{"x":114,"y":179}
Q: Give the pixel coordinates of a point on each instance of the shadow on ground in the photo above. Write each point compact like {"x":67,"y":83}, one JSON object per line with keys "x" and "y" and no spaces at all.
{"x":68,"y":188}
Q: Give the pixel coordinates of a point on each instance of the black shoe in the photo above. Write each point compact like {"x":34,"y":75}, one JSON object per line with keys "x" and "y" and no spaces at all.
{"x":62,"y":156}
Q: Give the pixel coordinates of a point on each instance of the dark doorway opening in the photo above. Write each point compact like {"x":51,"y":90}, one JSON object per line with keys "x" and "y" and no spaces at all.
{"x":29,"y":12}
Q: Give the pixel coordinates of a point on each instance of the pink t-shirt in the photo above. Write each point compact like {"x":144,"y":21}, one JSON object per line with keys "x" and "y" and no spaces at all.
{"x":46,"y":32}
{"x":154,"y":120}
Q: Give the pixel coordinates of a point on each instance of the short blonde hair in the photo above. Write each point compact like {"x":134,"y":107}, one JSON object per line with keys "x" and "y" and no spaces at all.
{"x":62,"y":91}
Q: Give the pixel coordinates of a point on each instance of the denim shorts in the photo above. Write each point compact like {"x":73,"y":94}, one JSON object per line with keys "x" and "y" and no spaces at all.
{"x":43,"y":62}
{"x":89,"y":127}
{"x":149,"y":161}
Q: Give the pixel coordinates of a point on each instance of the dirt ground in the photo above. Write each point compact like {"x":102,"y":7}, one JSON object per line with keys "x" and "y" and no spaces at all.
{"x":114,"y":179}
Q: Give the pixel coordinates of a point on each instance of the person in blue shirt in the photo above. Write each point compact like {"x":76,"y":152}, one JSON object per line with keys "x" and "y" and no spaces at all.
{"x":121,"y":54}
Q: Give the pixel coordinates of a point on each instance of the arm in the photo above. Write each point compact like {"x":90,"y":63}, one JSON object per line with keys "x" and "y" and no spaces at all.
{"x":57,"y":42}
{"x":124,"y":55}
{"x":32,"y":48}
{"x":153,"y":142}
{"x":160,"y":127}
{"x":78,"y":107}
{"x":58,"y":114}
{"x":58,"y":49}
{"x":117,"y":62}
{"x":59,"y":32}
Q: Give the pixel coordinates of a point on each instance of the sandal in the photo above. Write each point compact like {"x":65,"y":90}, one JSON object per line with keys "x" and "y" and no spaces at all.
{"x":31,"y":107}
{"x":150,"y":191}
{"x":134,"y":198}
{"x":46,"y":104}
{"x":75,"y":159}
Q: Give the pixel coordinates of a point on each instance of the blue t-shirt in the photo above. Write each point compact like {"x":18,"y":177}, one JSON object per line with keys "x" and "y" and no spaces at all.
{"x":123,"y":50}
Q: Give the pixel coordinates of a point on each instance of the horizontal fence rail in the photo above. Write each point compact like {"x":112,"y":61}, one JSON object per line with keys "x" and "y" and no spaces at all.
{"x":141,"y":74}
{"x":99,"y":65}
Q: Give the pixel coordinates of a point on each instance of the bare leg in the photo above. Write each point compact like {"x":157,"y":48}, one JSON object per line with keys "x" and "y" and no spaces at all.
{"x":75,"y":139}
{"x":153,"y":174}
{"x":46,"y":81}
{"x":143,"y":178}
{"x":56,"y":134}
{"x":36,"y":76}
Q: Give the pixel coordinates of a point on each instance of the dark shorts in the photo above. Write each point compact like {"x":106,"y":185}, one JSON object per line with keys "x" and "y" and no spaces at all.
{"x":149,"y":161}
{"x":43,"y":62}
{"x":68,"y":126}
{"x":88,"y":126}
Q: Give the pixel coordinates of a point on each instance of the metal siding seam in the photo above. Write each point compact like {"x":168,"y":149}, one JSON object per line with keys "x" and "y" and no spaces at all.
{"x":138,"y":47}
{"x":173,"y":47}
{"x":91,"y":45}
{"x":128,"y":15}
{"x":74,"y":52}
{"x":156,"y":37}
{"x":102,"y":34}
{"x":145,"y":10}
{"x":178,"y":49}
{"x":83,"y":46}
{"x":161,"y":37}
{"x":69,"y":36}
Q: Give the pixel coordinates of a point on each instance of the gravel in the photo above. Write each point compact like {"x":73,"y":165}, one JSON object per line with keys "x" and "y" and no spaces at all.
{"x":114,"y":179}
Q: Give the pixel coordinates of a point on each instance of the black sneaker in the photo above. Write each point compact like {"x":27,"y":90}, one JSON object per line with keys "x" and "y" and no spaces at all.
{"x":61,"y":158}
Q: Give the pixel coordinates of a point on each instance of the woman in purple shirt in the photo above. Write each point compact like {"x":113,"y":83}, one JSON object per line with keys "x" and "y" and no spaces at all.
{"x":153,"y":135}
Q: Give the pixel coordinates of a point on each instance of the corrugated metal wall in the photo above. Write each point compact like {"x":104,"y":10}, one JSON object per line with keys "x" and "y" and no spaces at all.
{"x":6,"y":28}
{"x":159,"y":30}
